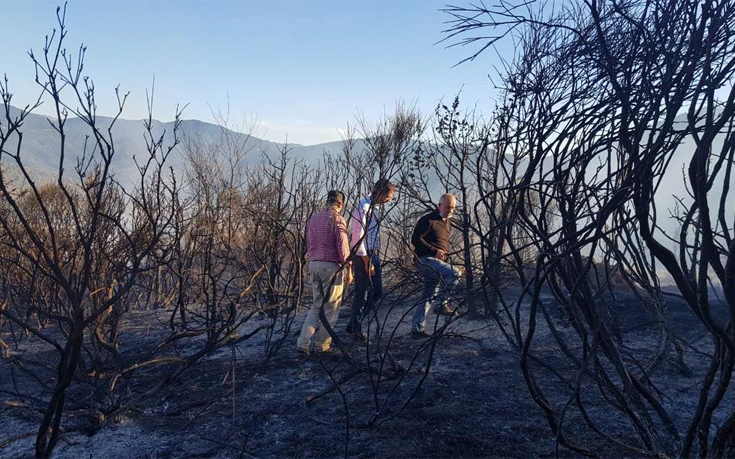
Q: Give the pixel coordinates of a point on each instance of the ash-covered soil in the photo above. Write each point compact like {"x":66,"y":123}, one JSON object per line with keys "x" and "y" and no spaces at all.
{"x":472,"y":400}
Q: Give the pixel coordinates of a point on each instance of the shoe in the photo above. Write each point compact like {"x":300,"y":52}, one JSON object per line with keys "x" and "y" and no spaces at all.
{"x":331,"y":352}
{"x":303,"y":351}
{"x":445,"y":310}
{"x":420,"y":334}
{"x":360,"y":338}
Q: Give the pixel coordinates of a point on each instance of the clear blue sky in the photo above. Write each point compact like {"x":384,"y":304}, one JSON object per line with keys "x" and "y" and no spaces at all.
{"x":305,"y":68}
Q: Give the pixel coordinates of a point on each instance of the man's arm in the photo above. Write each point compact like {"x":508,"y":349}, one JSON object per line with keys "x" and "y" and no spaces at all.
{"x":343,"y":245}
{"x":305,"y":253}
{"x":357,"y":220}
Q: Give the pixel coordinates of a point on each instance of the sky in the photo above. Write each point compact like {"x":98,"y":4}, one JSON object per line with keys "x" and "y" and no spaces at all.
{"x":301,"y":69}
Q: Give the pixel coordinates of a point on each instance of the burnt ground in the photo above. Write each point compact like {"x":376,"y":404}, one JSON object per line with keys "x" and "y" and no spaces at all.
{"x":473,"y":401}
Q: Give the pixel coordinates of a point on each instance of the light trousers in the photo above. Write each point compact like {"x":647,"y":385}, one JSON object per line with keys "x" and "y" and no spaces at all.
{"x":328,"y":287}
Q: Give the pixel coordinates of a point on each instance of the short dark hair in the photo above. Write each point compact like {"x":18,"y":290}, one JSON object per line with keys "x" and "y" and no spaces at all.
{"x":335,"y":197}
{"x":383,"y":187}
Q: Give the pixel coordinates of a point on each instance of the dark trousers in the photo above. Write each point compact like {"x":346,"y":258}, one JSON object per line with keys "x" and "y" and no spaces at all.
{"x":367,"y":292}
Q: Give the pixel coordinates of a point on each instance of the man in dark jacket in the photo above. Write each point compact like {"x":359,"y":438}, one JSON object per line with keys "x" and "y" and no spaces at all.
{"x":431,"y":246}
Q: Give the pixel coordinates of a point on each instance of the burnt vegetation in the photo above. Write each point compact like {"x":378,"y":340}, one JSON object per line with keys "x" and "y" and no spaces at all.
{"x":180,"y":292}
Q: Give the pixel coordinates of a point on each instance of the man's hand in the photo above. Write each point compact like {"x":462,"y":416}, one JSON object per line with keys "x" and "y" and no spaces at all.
{"x":349,"y":277}
{"x":369,"y":268}
{"x":442,"y":255}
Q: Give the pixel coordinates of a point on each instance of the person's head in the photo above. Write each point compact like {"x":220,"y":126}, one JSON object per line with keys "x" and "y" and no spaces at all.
{"x":383,"y":191}
{"x":447,"y":204}
{"x":336,"y":199}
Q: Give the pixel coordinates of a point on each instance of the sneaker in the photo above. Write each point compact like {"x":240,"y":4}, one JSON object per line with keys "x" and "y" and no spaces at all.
{"x":303,"y":351}
{"x":445,"y":310}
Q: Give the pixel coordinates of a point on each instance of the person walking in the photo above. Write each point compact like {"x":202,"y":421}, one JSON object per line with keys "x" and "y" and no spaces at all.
{"x":327,"y":252}
{"x":430,"y":240}
{"x":365,"y":223}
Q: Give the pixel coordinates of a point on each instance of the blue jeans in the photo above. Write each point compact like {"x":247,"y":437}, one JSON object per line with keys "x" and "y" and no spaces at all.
{"x":438,"y":278}
{"x":367,"y":292}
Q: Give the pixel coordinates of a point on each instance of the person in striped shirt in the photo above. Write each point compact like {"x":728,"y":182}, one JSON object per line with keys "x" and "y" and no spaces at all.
{"x":327,"y":253}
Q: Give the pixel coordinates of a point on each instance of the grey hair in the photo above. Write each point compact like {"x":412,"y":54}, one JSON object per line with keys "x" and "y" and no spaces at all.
{"x":446,"y":196}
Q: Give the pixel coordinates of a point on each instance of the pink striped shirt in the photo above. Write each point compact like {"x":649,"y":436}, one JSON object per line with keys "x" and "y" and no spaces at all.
{"x":326,"y":237}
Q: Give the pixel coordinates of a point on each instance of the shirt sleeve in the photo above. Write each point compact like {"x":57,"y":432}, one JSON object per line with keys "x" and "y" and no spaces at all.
{"x":343,"y":244}
{"x":359,"y":224}
{"x":306,"y":240}
{"x":419,"y":236}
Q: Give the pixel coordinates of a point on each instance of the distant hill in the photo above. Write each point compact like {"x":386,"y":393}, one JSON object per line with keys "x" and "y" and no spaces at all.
{"x":41,"y":152}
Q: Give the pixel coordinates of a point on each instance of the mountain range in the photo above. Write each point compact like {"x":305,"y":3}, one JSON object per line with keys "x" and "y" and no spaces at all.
{"x":40,"y":150}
